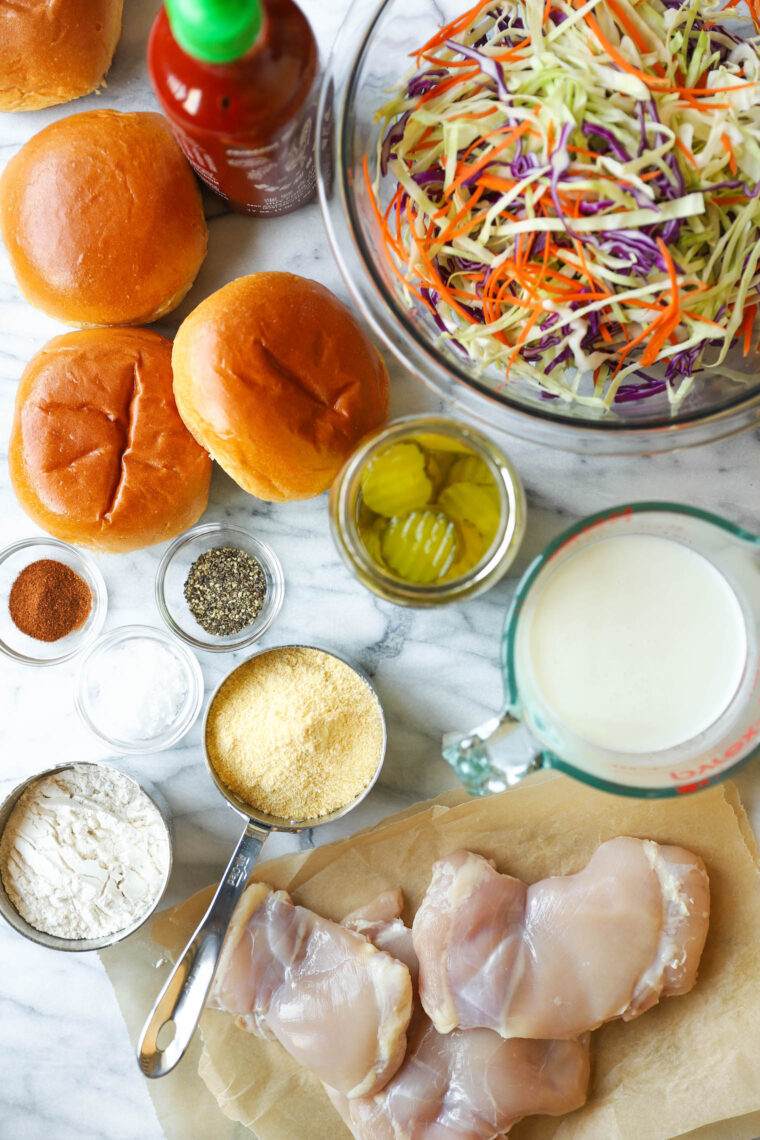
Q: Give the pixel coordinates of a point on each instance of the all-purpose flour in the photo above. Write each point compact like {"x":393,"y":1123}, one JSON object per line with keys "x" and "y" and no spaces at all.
{"x":84,"y":853}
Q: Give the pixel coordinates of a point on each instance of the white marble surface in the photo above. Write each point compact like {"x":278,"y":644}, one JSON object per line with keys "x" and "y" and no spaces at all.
{"x":66,"y":1068}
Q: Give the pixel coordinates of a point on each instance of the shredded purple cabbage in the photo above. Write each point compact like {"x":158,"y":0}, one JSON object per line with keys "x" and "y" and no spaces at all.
{"x":487,"y":64}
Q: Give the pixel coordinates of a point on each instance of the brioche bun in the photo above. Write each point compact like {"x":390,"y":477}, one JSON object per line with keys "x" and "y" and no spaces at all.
{"x":279,"y":381}
{"x":98,"y":455}
{"x":55,"y":50}
{"x":101,"y":216}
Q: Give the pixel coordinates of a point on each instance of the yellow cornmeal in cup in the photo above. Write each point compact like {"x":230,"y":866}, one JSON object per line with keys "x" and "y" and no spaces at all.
{"x":295,"y":733}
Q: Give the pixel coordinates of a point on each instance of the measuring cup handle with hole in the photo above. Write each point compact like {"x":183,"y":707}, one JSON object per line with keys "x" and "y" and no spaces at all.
{"x":484,"y":761}
{"x":184,"y":994}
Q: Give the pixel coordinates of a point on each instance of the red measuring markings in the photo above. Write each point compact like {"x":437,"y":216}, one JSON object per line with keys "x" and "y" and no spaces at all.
{"x":735,"y":749}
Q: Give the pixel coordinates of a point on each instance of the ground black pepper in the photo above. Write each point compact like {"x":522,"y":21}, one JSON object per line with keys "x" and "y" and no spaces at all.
{"x":225,"y":590}
{"x":48,"y":600}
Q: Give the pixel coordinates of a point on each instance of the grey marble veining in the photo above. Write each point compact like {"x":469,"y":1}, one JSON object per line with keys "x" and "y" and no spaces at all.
{"x":66,"y":1067}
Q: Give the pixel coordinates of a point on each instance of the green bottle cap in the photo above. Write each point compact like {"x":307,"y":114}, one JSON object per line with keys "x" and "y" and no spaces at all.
{"x":216,"y":31}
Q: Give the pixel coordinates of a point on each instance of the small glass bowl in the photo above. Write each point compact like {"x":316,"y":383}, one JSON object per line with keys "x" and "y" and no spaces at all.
{"x":344,"y":502}
{"x":173,"y":570}
{"x":54,"y":941}
{"x":26,"y":649}
{"x":85,"y":691}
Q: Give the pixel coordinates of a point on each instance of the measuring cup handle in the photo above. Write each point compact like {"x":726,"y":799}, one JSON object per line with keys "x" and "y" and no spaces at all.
{"x":479,"y":759}
{"x":184,"y":994}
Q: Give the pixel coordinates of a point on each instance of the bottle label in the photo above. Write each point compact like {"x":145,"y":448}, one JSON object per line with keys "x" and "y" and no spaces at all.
{"x":282,"y":173}
{"x":199,"y":158}
{"x":263,"y":181}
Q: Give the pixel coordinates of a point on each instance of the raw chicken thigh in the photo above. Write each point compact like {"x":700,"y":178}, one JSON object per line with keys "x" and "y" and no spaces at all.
{"x":562,"y":956}
{"x":340,"y":1006}
{"x":469,"y":1085}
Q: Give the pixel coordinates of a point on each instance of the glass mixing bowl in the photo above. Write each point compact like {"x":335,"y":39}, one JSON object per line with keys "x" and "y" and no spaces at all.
{"x":367,"y":59}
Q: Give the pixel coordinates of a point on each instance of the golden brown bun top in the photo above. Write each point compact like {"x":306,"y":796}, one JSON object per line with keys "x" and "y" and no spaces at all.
{"x":98,"y":454}
{"x":54,"y":50}
{"x":277,"y":378}
{"x":102,"y":219}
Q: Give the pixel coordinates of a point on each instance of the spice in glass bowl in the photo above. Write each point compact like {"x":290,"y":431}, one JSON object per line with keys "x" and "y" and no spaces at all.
{"x":225,"y":590}
{"x":49,"y":600}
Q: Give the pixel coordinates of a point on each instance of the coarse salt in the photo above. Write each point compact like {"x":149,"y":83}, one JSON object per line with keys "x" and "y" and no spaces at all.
{"x":139,"y":691}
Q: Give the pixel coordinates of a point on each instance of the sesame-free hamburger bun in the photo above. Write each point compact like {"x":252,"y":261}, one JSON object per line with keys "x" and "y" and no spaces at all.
{"x":101,"y":216}
{"x":98,"y":455}
{"x":55,"y":50}
{"x":280,"y":382}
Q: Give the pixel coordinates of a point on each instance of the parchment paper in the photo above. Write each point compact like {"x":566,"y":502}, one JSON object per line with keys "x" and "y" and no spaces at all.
{"x":690,"y":1068}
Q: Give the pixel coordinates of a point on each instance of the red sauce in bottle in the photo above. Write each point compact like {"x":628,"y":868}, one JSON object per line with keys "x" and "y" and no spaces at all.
{"x":246,"y":127}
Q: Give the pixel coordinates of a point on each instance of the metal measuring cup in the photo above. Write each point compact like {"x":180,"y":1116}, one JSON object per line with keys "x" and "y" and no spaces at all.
{"x":183,"y":996}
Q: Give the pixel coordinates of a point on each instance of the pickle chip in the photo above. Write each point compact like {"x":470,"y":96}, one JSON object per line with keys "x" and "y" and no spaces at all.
{"x":370,"y":536}
{"x":469,"y":502}
{"x":435,"y":442}
{"x":365,"y":518}
{"x":471,"y":469}
{"x":395,"y":482}
{"x":437,"y":465}
{"x":419,"y":547}
{"x":471,"y":549}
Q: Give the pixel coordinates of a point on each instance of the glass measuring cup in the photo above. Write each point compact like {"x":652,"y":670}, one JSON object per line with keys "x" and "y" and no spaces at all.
{"x":493,"y":756}
{"x":180,"y":1003}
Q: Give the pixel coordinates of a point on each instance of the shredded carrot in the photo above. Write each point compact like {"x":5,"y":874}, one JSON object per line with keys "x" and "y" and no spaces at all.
{"x":433,"y":275}
{"x":471,"y":201}
{"x":421,"y":144}
{"x":465,"y":172}
{"x":491,"y":182}
{"x":522,"y":337}
{"x":629,"y":26}
{"x":672,"y":316}
{"x":747,"y":325}
{"x":513,"y":53}
{"x":445,"y":85}
{"x":711,"y":90}
{"x":731,"y":156}
{"x":448,"y":31}
{"x":438,"y":61}
{"x":620,"y":60}
{"x":686,"y":153}
{"x":449,"y":234}
{"x":473,"y":116}
{"x":388,"y":239}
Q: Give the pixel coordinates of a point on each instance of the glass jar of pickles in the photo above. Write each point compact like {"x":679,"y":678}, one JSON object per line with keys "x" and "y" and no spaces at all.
{"x":427,"y":511}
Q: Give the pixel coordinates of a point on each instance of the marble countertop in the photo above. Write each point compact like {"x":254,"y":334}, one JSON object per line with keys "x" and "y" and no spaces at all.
{"x":67,"y":1068}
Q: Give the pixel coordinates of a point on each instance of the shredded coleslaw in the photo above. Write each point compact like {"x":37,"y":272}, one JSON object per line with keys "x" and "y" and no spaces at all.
{"x":572,"y":190}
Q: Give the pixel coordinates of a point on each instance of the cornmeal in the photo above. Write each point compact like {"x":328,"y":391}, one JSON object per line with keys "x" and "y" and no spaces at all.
{"x":295,"y":733}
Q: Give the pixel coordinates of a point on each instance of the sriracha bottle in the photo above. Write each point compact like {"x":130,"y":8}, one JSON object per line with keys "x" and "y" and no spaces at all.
{"x":237,"y":80}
